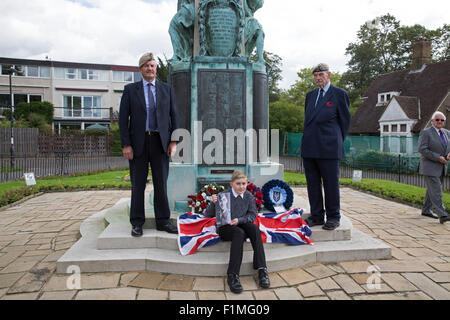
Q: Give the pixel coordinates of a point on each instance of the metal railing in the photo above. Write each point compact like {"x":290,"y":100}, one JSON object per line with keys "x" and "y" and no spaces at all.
{"x":399,"y":170}
{"x":58,"y":164}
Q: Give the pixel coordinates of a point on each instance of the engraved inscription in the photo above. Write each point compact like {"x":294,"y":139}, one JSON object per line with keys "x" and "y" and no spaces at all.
{"x":222,"y":102}
{"x":222,"y":24}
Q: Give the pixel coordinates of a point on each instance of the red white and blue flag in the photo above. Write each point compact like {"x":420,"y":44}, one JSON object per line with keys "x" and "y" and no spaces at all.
{"x":196,"y":231}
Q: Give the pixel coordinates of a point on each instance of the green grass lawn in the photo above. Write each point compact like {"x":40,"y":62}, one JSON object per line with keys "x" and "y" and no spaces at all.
{"x":16,"y":190}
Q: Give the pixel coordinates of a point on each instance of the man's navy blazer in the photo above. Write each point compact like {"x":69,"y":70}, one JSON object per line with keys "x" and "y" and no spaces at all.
{"x":133,"y":115}
{"x":326,"y":125}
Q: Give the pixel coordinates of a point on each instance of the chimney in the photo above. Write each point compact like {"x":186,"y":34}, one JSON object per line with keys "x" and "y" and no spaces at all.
{"x":421,"y":53}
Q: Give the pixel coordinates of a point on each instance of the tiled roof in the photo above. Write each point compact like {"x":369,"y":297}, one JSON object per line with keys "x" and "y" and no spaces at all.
{"x":430,"y":86}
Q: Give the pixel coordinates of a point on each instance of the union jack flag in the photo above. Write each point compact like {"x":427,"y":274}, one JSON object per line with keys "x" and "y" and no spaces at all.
{"x":196,"y":231}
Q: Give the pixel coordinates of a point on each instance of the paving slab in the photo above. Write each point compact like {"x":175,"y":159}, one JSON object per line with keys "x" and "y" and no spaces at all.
{"x":429,"y":287}
{"x":151,"y":294}
{"x":288,"y":294}
{"x":107,"y":294}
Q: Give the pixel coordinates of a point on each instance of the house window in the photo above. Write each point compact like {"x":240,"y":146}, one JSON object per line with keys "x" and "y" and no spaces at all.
{"x":403,"y":128}
{"x":7,"y":67}
{"x":125,"y":76}
{"x":385,"y":97}
{"x":82,"y":74}
{"x":394,"y":128}
{"x":44,"y":72}
{"x":18,"y":98}
{"x":82,"y":106}
{"x":4,"y":100}
{"x":33,"y":71}
{"x":122,"y":76}
{"x":385,"y":128}
{"x":71,"y":74}
{"x":93,"y":75}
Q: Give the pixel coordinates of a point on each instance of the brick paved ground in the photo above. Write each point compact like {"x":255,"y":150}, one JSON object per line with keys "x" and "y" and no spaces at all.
{"x":36,"y":232}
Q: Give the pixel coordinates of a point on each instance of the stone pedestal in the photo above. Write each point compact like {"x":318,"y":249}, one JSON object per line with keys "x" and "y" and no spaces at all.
{"x":223,"y":104}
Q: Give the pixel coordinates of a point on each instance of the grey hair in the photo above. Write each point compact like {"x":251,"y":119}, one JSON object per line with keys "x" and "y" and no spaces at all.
{"x":438,"y":113}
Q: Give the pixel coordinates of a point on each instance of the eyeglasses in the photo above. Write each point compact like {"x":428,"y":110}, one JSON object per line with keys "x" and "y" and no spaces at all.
{"x":441,"y":120}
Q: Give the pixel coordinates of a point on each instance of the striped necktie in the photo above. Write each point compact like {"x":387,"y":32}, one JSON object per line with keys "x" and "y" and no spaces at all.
{"x":444,"y":141}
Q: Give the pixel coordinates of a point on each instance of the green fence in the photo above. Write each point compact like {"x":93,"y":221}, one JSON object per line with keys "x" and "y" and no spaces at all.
{"x":394,"y":154}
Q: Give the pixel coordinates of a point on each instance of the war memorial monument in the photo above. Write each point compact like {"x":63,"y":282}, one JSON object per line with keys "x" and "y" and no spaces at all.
{"x":223,"y":108}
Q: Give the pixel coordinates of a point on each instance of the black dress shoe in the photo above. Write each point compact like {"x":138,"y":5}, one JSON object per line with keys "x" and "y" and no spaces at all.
{"x":263,"y":276}
{"x":234,"y":283}
{"x":311,"y":222}
{"x":136,"y":232}
{"x":331,"y":225}
{"x":168,"y":227}
{"x":430,"y":214}
{"x":442,"y":220}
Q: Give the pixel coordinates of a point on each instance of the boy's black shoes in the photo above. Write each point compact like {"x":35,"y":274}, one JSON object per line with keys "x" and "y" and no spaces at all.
{"x":263,"y":275}
{"x":234,"y":283}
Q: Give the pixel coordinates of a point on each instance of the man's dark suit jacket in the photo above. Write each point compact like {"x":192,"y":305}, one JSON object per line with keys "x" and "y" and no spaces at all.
{"x":326,"y":125}
{"x":133,"y":115}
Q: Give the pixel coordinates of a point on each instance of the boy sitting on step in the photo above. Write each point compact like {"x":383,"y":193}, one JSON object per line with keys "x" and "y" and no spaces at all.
{"x":235,"y":212}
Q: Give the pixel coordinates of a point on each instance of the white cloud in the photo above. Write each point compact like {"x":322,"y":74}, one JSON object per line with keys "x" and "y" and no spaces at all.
{"x":118,"y":31}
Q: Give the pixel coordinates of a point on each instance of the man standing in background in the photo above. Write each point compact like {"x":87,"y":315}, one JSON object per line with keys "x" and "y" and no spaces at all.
{"x":434,"y":149}
{"x":327,"y":120}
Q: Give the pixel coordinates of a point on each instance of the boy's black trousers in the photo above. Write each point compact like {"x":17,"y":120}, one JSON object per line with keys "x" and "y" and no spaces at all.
{"x":237,"y":235}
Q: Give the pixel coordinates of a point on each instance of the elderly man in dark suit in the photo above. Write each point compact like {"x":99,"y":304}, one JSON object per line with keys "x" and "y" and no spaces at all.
{"x":147,"y":118}
{"x":327,"y":120}
{"x":434,"y":148}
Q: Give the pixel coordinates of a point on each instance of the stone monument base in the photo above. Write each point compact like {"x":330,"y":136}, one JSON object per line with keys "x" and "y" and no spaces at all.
{"x":107,"y":246}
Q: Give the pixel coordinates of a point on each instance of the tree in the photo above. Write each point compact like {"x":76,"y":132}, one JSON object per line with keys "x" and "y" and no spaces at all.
{"x":286,"y":116}
{"x":274,"y":64}
{"x":162,"y":71}
{"x":383,"y":46}
{"x":441,"y":43}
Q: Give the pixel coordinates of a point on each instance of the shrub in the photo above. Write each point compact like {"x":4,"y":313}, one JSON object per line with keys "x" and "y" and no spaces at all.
{"x":116,"y":147}
{"x":23,"y":110}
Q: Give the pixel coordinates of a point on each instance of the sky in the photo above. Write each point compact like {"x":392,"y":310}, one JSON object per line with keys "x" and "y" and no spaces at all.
{"x":302,"y":33}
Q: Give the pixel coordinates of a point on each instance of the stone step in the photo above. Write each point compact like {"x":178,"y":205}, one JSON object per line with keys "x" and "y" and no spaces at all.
{"x":118,"y":236}
{"x":88,"y":258}
{"x":165,"y":258}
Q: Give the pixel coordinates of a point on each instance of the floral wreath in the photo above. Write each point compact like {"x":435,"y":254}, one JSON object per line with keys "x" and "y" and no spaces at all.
{"x":277,"y":193}
{"x":200,"y":201}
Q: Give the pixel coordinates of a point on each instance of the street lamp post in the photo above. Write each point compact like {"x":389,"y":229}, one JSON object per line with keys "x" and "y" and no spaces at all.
{"x":12,"y":70}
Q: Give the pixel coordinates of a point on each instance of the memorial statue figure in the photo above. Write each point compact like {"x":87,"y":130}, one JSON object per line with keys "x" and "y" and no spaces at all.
{"x":254,"y":34}
{"x":181,"y":31}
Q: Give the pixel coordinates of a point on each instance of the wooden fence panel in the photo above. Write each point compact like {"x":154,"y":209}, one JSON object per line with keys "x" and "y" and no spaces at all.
{"x":25,"y":141}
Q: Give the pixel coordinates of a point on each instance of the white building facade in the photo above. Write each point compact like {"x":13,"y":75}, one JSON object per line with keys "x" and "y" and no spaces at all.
{"x":82,"y":94}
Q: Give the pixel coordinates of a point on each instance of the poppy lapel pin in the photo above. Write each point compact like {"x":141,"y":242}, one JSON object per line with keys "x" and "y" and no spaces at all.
{"x":330,"y":104}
